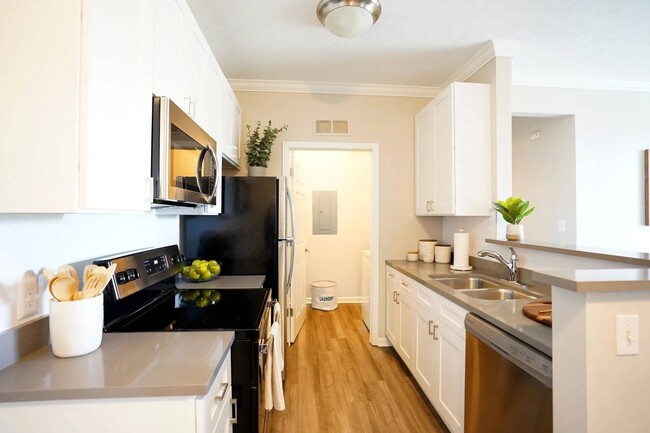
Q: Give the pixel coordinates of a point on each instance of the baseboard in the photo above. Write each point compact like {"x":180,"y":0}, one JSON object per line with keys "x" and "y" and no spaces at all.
{"x":347,"y":300}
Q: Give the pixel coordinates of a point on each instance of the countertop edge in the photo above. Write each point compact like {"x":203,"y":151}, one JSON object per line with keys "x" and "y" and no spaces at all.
{"x":548,"y":350}
{"x":604,"y":285}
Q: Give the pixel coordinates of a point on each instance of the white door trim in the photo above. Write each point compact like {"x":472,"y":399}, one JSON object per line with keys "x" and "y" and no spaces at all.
{"x":287,"y":147}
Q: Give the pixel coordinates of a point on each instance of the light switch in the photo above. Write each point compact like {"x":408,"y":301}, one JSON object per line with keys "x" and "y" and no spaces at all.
{"x":627,"y":334}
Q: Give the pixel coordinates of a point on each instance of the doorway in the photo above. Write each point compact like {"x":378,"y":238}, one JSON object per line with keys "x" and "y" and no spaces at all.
{"x":336,"y":189}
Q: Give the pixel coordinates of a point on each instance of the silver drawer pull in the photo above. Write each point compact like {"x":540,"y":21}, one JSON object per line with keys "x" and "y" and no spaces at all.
{"x":405,"y":284}
{"x":430,"y":323}
{"x":233,"y":402}
{"x":391,"y":275}
{"x":435,"y":337}
{"x":397,"y":297}
{"x":224,"y":390}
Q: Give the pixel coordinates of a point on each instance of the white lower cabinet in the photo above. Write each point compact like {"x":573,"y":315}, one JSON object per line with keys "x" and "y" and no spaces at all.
{"x":209,"y":413}
{"x":428,"y":333}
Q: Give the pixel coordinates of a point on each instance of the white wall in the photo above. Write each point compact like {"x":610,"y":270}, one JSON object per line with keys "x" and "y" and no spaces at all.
{"x":31,"y":242}
{"x":611,"y":131}
{"x":338,"y":257}
{"x":543,"y":172}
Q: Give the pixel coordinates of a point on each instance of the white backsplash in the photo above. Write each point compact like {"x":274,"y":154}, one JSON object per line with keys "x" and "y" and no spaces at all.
{"x":31,"y":242}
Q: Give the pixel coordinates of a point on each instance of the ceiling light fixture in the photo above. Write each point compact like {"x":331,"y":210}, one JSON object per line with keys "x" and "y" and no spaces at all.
{"x":348,"y":18}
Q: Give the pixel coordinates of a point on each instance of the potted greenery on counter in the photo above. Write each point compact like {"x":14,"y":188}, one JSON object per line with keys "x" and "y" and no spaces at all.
{"x":259,"y":147}
{"x":513,"y":210}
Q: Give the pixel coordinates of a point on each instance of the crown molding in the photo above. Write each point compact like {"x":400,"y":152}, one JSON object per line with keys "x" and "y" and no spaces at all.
{"x":494,"y":48}
{"x":584,"y":84}
{"x":333,"y":88}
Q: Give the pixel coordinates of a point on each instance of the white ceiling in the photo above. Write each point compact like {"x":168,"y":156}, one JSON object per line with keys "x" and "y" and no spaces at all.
{"x":575,"y":43}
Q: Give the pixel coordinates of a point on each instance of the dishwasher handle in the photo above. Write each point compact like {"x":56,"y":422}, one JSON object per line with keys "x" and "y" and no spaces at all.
{"x":532,"y":361}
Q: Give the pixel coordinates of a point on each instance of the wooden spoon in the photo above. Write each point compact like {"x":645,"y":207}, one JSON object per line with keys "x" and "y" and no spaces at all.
{"x":48,"y":274}
{"x":69,"y":270}
{"x":63,"y":288}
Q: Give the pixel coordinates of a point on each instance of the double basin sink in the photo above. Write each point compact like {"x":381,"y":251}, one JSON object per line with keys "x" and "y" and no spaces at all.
{"x":489,"y":289}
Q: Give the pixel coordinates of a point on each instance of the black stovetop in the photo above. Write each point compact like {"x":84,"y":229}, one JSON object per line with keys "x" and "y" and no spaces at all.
{"x":238,"y":310}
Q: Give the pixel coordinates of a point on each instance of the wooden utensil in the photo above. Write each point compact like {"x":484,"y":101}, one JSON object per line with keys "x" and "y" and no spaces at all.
{"x":63,"y":287}
{"x":48,"y":274}
{"x":88,"y":269}
{"x":95,"y":284}
{"x":69,"y":270}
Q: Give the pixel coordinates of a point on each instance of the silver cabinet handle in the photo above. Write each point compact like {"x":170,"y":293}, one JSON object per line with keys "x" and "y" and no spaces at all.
{"x":233,"y":402}
{"x":430,"y":331}
{"x":391,"y":275}
{"x":394,"y":296}
{"x":397,"y":296}
{"x":224,"y":389}
{"x":435,"y":337}
{"x":405,"y":284}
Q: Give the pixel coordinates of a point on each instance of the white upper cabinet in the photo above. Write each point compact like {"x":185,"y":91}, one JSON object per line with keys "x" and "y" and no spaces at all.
{"x":77,"y":133}
{"x":168,"y":49}
{"x":453,"y":153}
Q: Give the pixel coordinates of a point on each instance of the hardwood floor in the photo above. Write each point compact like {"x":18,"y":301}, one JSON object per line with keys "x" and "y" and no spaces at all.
{"x":337,"y":382}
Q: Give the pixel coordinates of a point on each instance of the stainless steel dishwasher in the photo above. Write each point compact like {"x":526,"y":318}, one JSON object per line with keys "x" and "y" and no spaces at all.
{"x":508,"y":384}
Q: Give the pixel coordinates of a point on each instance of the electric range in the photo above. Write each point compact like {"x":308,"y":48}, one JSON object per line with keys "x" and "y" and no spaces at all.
{"x":142,"y":297}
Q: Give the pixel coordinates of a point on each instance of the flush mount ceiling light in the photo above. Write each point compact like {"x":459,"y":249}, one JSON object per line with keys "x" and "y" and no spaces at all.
{"x":348,"y":18}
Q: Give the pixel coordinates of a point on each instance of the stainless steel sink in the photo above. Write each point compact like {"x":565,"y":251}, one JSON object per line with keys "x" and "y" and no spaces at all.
{"x":498,"y":294}
{"x":491,"y":289}
{"x":461,"y":283}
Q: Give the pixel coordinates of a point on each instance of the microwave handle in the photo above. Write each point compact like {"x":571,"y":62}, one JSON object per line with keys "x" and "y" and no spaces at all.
{"x":199,"y":164}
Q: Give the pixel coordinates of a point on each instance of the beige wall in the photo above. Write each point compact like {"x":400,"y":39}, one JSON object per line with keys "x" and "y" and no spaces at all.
{"x":387,"y":121}
{"x":544,"y":172}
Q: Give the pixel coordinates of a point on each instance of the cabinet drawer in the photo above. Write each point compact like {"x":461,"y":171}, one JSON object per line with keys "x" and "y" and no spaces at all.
{"x":407,"y":285}
{"x":216,"y":403}
{"x":427,"y":298}
{"x":452,"y":315}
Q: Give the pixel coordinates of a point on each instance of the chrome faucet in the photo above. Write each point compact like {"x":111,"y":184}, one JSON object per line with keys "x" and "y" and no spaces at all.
{"x":512,"y":266}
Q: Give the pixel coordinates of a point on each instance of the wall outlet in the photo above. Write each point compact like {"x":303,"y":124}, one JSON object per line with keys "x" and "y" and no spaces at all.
{"x":561,"y":226}
{"x":27,"y":302}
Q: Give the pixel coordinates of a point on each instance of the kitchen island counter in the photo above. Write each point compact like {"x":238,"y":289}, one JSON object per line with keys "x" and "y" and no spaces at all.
{"x":148,"y":364}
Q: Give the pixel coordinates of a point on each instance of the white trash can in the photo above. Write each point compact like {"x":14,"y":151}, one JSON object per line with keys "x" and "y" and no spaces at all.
{"x":323,"y":295}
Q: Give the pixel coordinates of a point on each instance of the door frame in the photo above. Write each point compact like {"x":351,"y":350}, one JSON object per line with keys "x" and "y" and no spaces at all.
{"x":287,"y":147}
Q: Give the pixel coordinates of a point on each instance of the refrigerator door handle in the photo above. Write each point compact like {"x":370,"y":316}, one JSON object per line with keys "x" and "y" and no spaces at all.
{"x":291,"y":239}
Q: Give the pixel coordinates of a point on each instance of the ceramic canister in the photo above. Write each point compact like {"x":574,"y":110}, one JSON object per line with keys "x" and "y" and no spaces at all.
{"x":426,"y":251}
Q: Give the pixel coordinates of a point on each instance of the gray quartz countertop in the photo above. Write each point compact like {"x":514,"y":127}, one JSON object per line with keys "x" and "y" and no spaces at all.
{"x":596,"y":280}
{"x":148,"y":364}
{"x":506,"y":315}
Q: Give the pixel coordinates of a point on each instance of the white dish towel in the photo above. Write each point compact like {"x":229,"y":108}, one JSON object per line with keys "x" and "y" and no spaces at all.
{"x":273,"y":392}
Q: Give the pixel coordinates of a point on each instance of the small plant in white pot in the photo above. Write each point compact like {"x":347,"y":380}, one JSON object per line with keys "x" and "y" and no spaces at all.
{"x":259,"y":147}
{"x":513,"y":210}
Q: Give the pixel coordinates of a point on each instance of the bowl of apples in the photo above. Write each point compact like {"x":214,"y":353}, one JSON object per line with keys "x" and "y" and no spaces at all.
{"x":200,"y":271}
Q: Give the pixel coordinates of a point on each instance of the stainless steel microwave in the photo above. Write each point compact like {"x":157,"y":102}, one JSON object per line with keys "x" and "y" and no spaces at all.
{"x":184,"y":163}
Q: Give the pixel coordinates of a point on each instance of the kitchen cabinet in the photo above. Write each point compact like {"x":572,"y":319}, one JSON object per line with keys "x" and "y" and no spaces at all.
{"x":231,"y":128}
{"x":428,"y":333}
{"x":453,"y":153}
{"x":207,"y":413}
{"x":400,"y":326}
{"x":392,"y":318}
{"x":78,"y":130}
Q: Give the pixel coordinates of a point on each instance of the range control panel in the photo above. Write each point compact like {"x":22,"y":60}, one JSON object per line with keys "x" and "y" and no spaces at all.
{"x":140,"y":270}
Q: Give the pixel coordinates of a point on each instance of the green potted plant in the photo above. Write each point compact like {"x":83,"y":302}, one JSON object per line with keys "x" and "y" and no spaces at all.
{"x":259,"y":147}
{"x":513,"y":210}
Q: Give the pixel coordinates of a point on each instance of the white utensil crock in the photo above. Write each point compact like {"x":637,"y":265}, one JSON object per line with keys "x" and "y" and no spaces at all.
{"x":76,"y":326}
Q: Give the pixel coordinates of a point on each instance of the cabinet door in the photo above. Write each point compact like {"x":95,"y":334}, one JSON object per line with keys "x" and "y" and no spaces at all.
{"x":168,"y":50}
{"x":424,"y":162}
{"x":116,"y":87}
{"x":225,"y":120}
{"x":406,"y":338}
{"x":443,"y":153}
{"x":426,"y":352}
{"x":236,"y":130}
{"x":392,"y":309}
{"x":194,"y":76}
{"x":450,"y":398}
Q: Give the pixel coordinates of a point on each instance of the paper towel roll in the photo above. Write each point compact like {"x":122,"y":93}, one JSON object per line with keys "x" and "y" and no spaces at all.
{"x":461,"y":249}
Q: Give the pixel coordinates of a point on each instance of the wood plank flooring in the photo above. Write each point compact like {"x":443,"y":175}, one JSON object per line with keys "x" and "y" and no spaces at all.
{"x":337,"y":382}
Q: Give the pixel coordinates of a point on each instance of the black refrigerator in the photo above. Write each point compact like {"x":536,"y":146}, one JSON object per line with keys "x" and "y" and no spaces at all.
{"x":252,"y":236}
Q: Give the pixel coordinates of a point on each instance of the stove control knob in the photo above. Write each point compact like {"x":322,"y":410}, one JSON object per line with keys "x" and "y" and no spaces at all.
{"x":132,"y":274}
{"x":121,"y":277}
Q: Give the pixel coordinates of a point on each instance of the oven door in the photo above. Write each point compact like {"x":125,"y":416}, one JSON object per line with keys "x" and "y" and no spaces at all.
{"x":184,"y":159}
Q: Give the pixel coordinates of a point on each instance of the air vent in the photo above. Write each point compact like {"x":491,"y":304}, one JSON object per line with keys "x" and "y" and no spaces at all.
{"x":331,"y":127}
